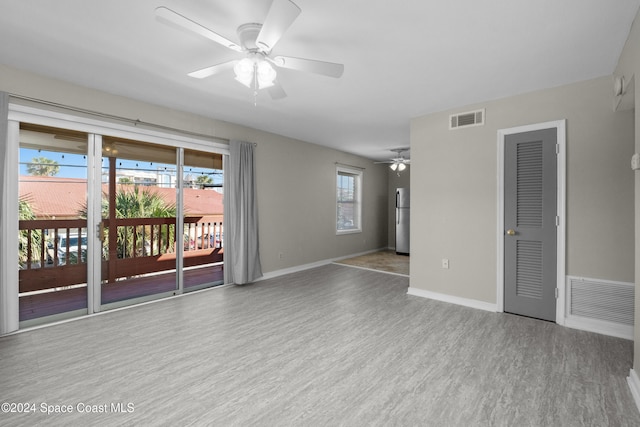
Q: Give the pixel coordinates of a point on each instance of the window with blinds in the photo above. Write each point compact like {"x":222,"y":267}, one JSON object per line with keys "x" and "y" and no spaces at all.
{"x":348,"y":200}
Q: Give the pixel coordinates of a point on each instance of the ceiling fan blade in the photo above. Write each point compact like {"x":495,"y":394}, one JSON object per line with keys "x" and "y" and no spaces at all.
{"x":280,"y":17}
{"x":214,"y":69}
{"x":173,"y":17}
{"x":276,"y":91}
{"x":329,"y":69}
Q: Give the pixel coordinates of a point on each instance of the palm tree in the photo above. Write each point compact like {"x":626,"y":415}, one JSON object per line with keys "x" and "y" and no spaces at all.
{"x":42,"y":166}
{"x":25,"y":212}
{"x":136,"y":203}
{"x":142,"y":204}
{"x":203,"y":180}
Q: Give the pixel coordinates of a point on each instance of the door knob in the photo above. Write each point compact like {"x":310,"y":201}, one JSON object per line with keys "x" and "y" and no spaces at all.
{"x":511,"y":232}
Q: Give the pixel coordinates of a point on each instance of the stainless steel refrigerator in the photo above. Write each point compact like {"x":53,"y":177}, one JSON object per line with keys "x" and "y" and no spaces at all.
{"x":402,"y":221}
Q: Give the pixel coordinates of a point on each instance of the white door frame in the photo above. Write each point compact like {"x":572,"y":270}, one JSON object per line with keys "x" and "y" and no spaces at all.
{"x":560,"y":126}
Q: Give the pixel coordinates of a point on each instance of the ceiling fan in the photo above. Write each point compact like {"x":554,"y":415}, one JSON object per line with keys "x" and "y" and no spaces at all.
{"x":398,"y":163}
{"x":255,"y":70}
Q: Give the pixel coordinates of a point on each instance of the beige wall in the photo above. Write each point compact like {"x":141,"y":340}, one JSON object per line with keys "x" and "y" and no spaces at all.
{"x":454,"y":189}
{"x":296,"y":180}
{"x":629,"y":67}
{"x":297,"y":204}
{"x":395,"y":181}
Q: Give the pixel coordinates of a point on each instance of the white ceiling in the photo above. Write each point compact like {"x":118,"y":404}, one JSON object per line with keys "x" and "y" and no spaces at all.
{"x":402,"y":59}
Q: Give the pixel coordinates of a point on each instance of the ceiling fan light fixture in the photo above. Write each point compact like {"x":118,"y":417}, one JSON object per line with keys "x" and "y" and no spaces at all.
{"x":265,"y":73}
{"x":393,"y":166}
{"x":244,"y":70}
{"x":401,"y":167}
{"x":245,"y":81}
{"x":253,"y":71}
{"x":256,"y":42}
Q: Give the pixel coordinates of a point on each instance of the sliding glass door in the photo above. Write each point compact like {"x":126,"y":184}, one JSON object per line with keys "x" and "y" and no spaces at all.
{"x":139,"y":214}
{"x":108,"y":215}
{"x":203,"y":220}
{"x":52,"y":244}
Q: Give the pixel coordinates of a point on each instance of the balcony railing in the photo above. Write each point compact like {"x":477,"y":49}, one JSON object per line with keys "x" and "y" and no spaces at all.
{"x":54,"y":252}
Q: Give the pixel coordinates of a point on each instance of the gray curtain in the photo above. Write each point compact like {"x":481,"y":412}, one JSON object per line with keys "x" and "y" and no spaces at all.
{"x":242,"y":256}
{"x":4,"y":294}
{"x":4,"y":116}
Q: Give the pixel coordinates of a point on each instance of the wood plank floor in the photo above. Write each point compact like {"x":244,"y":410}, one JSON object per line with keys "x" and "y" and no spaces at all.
{"x":386,"y":260}
{"x":330,"y":346}
{"x":47,"y":304}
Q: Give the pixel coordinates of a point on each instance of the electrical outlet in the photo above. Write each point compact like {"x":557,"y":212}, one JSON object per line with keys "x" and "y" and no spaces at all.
{"x":445,"y":263}
{"x":280,"y":255}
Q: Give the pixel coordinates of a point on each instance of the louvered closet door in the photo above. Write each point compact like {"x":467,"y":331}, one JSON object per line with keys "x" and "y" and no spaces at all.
{"x":530,"y":224}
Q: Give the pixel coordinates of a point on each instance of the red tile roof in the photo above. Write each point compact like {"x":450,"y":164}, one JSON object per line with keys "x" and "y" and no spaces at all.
{"x":51,"y":196}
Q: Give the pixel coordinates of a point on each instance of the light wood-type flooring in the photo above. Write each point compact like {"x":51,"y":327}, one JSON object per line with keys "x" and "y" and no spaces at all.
{"x":330,"y":346}
{"x":386,"y":260}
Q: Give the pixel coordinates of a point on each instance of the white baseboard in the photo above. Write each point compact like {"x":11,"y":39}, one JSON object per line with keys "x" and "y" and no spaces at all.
{"x":358,"y":254}
{"x":634,"y":385}
{"x":373,"y":269}
{"x":282,"y":272}
{"x":297,"y":268}
{"x":480,"y":305}
{"x":617,"y":330}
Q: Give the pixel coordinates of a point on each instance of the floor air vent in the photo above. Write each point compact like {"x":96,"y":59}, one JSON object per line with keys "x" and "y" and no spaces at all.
{"x":602,"y":300}
{"x":468,"y":119}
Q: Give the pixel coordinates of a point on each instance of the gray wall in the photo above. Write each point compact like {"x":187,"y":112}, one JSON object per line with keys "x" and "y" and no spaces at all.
{"x":296,"y":180}
{"x":629,"y":66}
{"x":297,"y":204}
{"x":454,"y":189}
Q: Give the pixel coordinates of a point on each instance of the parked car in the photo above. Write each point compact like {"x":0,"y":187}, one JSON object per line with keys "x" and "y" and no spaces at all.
{"x":210,"y":241}
{"x":188,"y":243}
{"x":49,"y":253}
{"x":72,"y":241}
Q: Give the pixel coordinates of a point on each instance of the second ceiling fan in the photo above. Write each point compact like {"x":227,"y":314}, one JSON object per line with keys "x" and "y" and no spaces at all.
{"x":255,"y":70}
{"x":399,"y":162}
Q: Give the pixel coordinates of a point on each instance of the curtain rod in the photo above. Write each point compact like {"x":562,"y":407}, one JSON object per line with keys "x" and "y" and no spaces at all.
{"x":135,"y":122}
{"x":349,"y":166}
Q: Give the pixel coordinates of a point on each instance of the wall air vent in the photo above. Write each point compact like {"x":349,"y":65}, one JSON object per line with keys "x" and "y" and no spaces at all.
{"x":465,"y":120}
{"x":603,"y":300}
